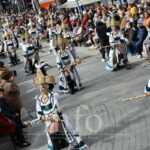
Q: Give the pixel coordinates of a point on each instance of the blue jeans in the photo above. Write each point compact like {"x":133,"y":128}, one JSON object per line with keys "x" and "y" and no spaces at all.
{"x":131,"y":49}
{"x":138,"y":48}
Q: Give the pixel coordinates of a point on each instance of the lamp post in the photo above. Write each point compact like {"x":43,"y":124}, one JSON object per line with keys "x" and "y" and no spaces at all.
{"x":18,"y":7}
{"x":79,"y":10}
{"x":36,"y":6}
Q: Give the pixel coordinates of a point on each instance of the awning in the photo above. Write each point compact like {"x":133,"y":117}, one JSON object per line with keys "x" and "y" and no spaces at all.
{"x":86,"y":2}
{"x":46,"y":3}
{"x":70,"y":4}
{"x":73,"y":3}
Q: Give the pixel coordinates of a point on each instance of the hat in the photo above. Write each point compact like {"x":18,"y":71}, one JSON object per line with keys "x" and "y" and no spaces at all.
{"x":50,"y":80}
{"x":113,"y":22}
{"x":63,"y":25}
{"x":6,"y":34}
{"x":40,"y":79}
{"x":61,"y":40}
{"x":52,"y":21}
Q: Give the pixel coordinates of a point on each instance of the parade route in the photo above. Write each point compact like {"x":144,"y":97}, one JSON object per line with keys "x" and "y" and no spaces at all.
{"x":97,"y":111}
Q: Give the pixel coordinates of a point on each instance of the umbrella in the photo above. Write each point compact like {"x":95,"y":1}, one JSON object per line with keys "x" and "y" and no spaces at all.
{"x":73,"y":3}
{"x":86,"y":2}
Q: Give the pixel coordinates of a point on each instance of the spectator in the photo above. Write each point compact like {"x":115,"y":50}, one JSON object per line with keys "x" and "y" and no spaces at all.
{"x":85,"y":19}
{"x":146,"y":22}
{"x":130,"y":33}
{"x":12,"y":91}
{"x":141,"y":35}
{"x":101,"y":30}
{"x":78,"y":33}
{"x":8,"y":111}
{"x":133,"y":11}
{"x":146,"y":44}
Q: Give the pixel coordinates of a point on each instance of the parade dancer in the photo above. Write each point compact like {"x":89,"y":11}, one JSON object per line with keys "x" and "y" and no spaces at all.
{"x":30,"y":56}
{"x":10,"y":50}
{"x":69,"y":79}
{"x":118,"y":50}
{"x":70,"y":47}
{"x":147,"y":89}
{"x":34,"y":34}
{"x":52,"y":30}
{"x":50,"y":113}
{"x":2,"y":54}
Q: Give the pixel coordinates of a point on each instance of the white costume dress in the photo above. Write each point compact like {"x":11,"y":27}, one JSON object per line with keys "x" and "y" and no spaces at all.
{"x":63,"y":61}
{"x":116,"y":50}
{"x":49,"y":108}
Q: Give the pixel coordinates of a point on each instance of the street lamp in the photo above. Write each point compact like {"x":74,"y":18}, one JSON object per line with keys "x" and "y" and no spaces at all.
{"x":18,"y":7}
{"x":79,"y":10}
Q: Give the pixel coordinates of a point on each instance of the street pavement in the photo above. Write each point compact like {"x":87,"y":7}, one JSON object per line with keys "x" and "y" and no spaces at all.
{"x":97,"y":112}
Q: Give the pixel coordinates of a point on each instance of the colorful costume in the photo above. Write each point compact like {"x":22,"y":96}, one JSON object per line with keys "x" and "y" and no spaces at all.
{"x":10,"y":50}
{"x":59,"y":132}
{"x":29,"y":57}
{"x":64,"y":61}
{"x":48,"y":109}
{"x":117,"y":52}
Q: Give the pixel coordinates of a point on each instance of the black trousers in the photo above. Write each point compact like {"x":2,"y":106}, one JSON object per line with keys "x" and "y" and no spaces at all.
{"x":70,"y":84}
{"x":104,"y":42}
{"x":19,"y":129}
{"x":13,"y":59}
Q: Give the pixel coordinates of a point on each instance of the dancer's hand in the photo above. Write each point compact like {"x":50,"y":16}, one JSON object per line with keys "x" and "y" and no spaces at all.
{"x":27,"y":122}
{"x":61,"y":70}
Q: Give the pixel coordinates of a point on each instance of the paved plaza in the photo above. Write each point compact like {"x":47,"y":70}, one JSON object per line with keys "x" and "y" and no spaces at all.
{"x":97,"y":112}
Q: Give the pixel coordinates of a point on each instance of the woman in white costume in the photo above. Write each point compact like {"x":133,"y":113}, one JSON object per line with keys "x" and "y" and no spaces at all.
{"x":69,"y":79}
{"x":118,"y":50}
{"x":58,"y":129}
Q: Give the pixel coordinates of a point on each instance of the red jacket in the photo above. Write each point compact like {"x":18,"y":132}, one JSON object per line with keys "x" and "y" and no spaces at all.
{"x":85,"y":20}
